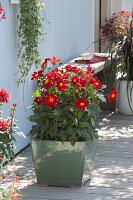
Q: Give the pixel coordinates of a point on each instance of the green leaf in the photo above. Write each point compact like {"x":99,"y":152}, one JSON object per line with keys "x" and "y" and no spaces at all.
{"x":94,"y":109}
{"x":92,"y":122}
{"x":63,"y":137}
{"x":34,"y":118}
{"x":83,"y":124}
{"x":11,"y":153}
{"x":43,"y":128}
{"x":36,"y":94}
{"x":101,"y":97}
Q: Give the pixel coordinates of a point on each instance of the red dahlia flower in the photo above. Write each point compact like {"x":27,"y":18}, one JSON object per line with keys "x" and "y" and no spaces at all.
{"x":54,"y":60}
{"x":75,"y":69}
{"x":61,"y":85}
{"x":37,"y":75}
{"x":74,"y":80}
{"x":68,"y":68}
{"x":51,"y":75}
{"x":58,"y":74}
{"x":1,"y":9}
{"x":4,"y":96}
{"x":38,"y":100}
{"x":48,"y":83}
{"x":47,"y":94}
{"x":89,"y":69}
{"x":50,"y":100}
{"x":81,"y":83}
{"x":44,"y":62}
{"x":78,"y":82}
{"x":81,"y":103}
{"x":4,"y":125}
{"x":113,"y":95}
{"x":97,"y":83}
{"x":86,"y":76}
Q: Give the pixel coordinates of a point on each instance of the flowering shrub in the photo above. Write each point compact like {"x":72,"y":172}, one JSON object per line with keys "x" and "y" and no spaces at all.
{"x":9,"y":186}
{"x":2,"y":13}
{"x":117,"y":26}
{"x":66,"y":103}
{"x":6,"y":128}
{"x":119,"y":31}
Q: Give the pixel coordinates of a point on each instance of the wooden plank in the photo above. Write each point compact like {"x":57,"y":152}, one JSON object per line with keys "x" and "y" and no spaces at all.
{"x":97,"y":67}
{"x":77,"y":194}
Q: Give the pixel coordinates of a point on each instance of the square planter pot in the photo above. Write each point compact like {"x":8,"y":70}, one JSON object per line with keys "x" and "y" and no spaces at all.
{"x":61,"y":164}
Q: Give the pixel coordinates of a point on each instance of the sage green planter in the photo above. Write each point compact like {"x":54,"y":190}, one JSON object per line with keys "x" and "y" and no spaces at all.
{"x":61,"y":164}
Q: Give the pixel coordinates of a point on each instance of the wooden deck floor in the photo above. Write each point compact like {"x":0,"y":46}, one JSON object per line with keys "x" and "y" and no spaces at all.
{"x":113,"y":174}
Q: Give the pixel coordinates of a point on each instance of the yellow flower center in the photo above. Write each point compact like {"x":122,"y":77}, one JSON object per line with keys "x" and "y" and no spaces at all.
{"x":82,"y":104}
{"x":113,"y":95}
{"x":61,"y":84}
{"x":59,"y":72}
{"x":51,"y":99}
{"x":47,"y":81}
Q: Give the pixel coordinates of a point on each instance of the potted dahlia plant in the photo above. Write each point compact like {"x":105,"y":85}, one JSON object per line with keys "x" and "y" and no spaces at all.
{"x":64,"y":136}
{"x":6,"y":129}
{"x":119,"y":31}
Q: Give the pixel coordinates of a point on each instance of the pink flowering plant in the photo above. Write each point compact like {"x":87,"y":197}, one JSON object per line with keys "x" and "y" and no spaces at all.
{"x":119,"y":32}
{"x":66,"y":102}
{"x":117,"y":27}
{"x":7,"y":128}
{"x":9,"y":186}
{"x":118,"y":35}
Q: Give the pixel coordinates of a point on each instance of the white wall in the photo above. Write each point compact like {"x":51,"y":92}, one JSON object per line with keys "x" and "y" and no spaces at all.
{"x":69,"y":33}
{"x":109,"y":7}
{"x":115,"y":6}
{"x":8,"y":67}
{"x":121,"y":5}
{"x":70,"y":30}
{"x":128,"y":5}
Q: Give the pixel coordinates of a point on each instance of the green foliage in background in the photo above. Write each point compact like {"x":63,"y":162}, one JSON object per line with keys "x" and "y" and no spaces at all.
{"x":30,"y":33}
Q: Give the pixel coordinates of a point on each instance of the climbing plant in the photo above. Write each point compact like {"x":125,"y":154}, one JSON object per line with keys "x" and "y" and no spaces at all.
{"x":30,"y":34}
